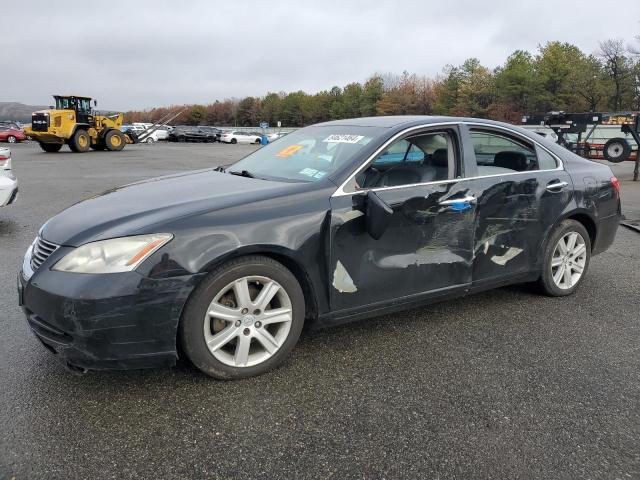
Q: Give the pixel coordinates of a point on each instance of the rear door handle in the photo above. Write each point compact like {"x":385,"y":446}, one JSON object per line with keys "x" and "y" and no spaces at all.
{"x":555,"y":186}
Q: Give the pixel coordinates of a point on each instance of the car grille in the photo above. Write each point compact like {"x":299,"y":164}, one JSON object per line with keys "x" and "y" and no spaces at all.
{"x":41,"y":251}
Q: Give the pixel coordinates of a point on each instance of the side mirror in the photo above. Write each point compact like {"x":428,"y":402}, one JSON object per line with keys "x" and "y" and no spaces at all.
{"x":378,"y":215}
{"x":95,"y":103}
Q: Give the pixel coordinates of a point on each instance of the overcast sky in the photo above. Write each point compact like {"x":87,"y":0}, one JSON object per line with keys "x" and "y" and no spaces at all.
{"x":140,"y":54}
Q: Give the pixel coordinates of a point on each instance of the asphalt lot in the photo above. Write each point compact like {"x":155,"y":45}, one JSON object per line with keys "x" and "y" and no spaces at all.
{"x":503,"y":384}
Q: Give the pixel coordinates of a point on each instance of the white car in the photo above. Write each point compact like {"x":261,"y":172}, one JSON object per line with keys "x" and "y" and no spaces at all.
{"x":8,"y":183}
{"x":239,"y":137}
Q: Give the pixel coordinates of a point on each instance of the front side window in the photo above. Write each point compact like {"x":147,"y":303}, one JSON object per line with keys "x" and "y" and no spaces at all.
{"x":420,"y":158}
{"x":308,"y":154}
{"x":497,"y":153}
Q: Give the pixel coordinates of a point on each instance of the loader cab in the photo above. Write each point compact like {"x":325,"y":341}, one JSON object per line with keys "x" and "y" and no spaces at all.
{"x":81,"y":105}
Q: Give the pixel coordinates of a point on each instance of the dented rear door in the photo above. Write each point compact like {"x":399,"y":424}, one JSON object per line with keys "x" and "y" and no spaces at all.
{"x":514,"y":211}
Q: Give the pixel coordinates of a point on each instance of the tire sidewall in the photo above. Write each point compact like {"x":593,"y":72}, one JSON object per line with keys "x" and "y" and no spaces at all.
{"x":566,"y":226}
{"x":191,"y":329}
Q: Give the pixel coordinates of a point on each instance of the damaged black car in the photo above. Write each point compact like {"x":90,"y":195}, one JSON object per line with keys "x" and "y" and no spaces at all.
{"x":334,"y":222}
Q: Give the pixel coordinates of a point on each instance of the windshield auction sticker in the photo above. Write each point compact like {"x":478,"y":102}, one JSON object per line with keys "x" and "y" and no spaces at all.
{"x":290,"y":150}
{"x":343,"y":138}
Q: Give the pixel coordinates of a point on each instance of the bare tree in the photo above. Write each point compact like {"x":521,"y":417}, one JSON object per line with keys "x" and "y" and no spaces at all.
{"x":613,"y":56}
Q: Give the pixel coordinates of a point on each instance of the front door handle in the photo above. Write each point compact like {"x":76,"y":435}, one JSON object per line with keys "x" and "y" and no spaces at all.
{"x":455,"y":201}
{"x":459,"y":204}
{"x":556,"y":186}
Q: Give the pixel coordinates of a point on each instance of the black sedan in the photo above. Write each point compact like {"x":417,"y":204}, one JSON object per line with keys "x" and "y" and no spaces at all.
{"x":335,"y":222}
{"x":192,"y":134}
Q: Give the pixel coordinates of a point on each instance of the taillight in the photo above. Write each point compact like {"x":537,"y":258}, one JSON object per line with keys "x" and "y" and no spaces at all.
{"x":615,"y":183}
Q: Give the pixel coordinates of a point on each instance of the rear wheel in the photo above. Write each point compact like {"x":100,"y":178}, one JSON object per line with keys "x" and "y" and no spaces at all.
{"x":50,"y":147}
{"x":149,"y":140}
{"x":243,"y":319}
{"x":616,"y":150}
{"x":257,"y":142}
{"x":11,"y":139}
{"x":566,"y":259}
{"x":114,"y":140}
{"x":233,"y":140}
{"x":80,"y":142}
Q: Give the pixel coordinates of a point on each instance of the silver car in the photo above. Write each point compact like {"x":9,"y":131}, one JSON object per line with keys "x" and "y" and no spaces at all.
{"x":8,"y":182}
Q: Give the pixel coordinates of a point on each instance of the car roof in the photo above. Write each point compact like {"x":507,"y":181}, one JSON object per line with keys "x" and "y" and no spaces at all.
{"x":392,"y":121}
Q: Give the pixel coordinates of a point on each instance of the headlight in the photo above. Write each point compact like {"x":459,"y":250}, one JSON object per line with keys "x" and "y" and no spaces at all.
{"x":112,"y":256}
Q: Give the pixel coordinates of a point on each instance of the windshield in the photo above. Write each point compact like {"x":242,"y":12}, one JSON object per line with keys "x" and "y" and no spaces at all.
{"x":308,"y":154}
{"x":73,"y":103}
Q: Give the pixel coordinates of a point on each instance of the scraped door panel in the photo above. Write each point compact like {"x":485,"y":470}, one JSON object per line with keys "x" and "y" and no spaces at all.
{"x":427,"y":246}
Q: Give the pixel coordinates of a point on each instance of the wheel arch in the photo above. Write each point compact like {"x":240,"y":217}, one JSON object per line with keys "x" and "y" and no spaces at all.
{"x":284,"y":256}
{"x":582,"y":216}
{"x":78,"y":126}
{"x":587,"y":222}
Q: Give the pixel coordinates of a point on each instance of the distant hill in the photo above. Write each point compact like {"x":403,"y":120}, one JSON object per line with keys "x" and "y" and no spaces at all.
{"x":18,"y":111}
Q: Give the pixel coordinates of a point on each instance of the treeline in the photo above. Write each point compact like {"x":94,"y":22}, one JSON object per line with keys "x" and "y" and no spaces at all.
{"x":559,"y":76}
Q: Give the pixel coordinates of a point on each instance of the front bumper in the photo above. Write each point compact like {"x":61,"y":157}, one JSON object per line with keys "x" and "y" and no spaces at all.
{"x":111,"y":321}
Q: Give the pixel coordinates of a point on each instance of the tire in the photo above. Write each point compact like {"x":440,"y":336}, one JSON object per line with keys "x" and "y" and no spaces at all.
{"x":12,"y":139}
{"x":181,"y":139}
{"x":258,"y":142}
{"x":553,"y":281}
{"x":233,"y":141}
{"x":114,"y":140}
{"x":81,"y":141}
{"x":50,"y":147}
{"x":150,"y":141}
{"x":616,"y":150}
{"x":244,"y":327}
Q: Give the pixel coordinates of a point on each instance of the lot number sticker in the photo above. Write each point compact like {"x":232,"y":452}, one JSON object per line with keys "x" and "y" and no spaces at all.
{"x":343,"y":138}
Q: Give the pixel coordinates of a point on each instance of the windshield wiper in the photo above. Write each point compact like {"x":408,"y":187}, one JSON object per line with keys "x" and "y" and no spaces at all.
{"x":243,"y":173}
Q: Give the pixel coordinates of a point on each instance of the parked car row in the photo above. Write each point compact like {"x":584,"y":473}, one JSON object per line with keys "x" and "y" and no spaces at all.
{"x":200,"y":133}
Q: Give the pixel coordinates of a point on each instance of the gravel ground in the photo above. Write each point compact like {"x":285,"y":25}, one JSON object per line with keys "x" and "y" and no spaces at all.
{"x":503,"y":384}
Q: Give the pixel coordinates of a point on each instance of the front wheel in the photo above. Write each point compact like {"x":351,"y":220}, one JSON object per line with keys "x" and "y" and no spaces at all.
{"x":150,"y":140}
{"x":12,"y":139}
{"x":114,"y":140}
{"x":243,"y":319}
{"x":80,"y":142}
{"x":50,"y":147}
{"x":566,"y":259}
{"x":234,"y":141}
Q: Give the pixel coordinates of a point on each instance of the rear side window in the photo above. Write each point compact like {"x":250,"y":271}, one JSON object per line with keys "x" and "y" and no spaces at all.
{"x":546,"y":160}
{"x":497,"y":153}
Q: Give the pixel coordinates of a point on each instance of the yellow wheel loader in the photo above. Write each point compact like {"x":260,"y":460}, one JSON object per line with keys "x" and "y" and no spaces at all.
{"x":74,"y":122}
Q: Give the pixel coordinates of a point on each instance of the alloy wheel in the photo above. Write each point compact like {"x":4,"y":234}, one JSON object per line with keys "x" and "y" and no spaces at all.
{"x":568,"y":260}
{"x":11,"y":139}
{"x":248,"y":321}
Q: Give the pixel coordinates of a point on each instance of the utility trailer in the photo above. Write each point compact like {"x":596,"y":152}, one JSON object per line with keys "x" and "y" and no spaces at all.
{"x":583,"y":125}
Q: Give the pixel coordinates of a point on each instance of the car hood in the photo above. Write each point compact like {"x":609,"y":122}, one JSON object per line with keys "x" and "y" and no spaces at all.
{"x":138,"y":207}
